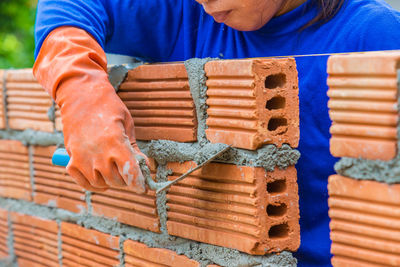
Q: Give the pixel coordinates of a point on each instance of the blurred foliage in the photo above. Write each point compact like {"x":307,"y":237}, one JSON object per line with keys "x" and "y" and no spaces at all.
{"x":17,"y":19}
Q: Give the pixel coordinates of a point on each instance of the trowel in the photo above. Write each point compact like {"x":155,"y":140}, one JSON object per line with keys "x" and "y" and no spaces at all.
{"x":61,"y":158}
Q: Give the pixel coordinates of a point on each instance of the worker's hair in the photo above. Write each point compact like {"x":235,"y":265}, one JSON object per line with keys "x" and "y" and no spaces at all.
{"x":327,"y":10}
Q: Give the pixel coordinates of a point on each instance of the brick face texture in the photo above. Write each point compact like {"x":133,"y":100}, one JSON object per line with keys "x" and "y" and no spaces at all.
{"x":159,"y":99}
{"x":84,"y":247}
{"x":128,"y":207}
{"x":35,"y":240}
{"x":238,"y":207}
{"x":138,"y":254}
{"x":2,"y":106}
{"x":53,"y":186}
{"x":3,"y":233}
{"x":365,"y":222}
{"x":27,"y":102}
{"x":14,"y":170}
{"x":363,"y":93}
{"x":253,"y":102}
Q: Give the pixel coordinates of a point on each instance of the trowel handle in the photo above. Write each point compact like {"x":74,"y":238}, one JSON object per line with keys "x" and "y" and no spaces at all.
{"x":60,"y":157}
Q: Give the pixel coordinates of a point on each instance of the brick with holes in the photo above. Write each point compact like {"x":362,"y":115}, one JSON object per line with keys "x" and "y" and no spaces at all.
{"x":14,"y":170}
{"x":82,"y":246}
{"x":159,"y":99}
{"x":128,"y":207}
{"x":363,"y":92}
{"x":239,"y":207}
{"x":27,"y":102}
{"x":35,"y":240}
{"x":365,"y":222}
{"x":53,"y":186}
{"x":253,"y":102}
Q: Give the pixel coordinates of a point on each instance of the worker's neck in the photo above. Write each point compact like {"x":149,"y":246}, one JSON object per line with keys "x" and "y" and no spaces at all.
{"x":289,"y":5}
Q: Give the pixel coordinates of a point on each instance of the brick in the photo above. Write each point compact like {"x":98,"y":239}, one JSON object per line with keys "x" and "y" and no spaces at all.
{"x":58,"y":122}
{"x":53,"y":186}
{"x":363,"y":94}
{"x":82,"y":246}
{"x":138,"y":254}
{"x":253,"y":102}
{"x":27,"y":102}
{"x":159,"y":100}
{"x":3,"y":234}
{"x":128,"y":207}
{"x":14,"y":170}
{"x":239,"y":207}
{"x":35,"y":240}
{"x":365,"y":222}
{"x":2,"y":106}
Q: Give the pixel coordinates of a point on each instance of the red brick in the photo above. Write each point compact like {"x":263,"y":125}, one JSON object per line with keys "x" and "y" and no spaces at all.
{"x":3,"y":233}
{"x":14,"y":170}
{"x":253,"y":102}
{"x":58,"y":122}
{"x":238,"y":207}
{"x":35,"y":240}
{"x":27,"y":102}
{"x":53,"y":186}
{"x":159,"y":99}
{"x":128,"y":207}
{"x":363,"y":95}
{"x":138,"y":254}
{"x":365,"y":222}
{"x":81,"y":246}
{"x":2,"y":106}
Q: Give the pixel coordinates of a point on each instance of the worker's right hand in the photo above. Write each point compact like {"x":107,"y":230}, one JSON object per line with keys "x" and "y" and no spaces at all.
{"x":98,"y":128}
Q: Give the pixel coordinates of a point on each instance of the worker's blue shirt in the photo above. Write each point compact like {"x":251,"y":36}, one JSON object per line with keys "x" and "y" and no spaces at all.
{"x":172,"y":30}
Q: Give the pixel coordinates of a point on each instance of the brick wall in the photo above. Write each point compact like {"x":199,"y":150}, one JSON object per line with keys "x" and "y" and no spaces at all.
{"x":240,"y":210}
{"x":364,"y":199}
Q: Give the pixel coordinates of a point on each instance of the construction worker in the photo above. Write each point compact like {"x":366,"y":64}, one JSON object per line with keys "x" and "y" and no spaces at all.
{"x":72,"y":35}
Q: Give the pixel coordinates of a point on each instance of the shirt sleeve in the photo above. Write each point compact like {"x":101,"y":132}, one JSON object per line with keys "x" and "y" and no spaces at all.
{"x":144,"y":29}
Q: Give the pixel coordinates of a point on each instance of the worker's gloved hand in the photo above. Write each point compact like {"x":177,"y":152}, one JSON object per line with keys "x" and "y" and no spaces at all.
{"x":98,"y":129}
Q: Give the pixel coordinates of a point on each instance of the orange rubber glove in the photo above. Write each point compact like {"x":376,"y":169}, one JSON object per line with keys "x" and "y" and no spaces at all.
{"x":98,"y":128}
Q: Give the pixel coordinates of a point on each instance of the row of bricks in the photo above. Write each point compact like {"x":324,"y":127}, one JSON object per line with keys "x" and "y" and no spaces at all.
{"x":363,"y":104}
{"x":250,"y":102}
{"x":240,"y":207}
{"x":36,"y":244}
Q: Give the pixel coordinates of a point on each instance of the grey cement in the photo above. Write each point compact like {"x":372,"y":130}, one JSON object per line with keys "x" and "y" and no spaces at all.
{"x":378,"y":170}
{"x":51,"y":112}
{"x":204,"y":253}
{"x":268,"y":157}
{"x":35,"y":138}
{"x":117,"y":73}
{"x":198,"y":88}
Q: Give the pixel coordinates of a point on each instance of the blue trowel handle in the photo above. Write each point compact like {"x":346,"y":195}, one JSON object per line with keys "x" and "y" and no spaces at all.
{"x":60,"y":157}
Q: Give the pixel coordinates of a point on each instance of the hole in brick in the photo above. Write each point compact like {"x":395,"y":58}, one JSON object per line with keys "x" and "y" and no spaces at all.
{"x":278,"y":231}
{"x":275,"y":123}
{"x":277,"y":102}
{"x":275,"y":80}
{"x":276,"y":210}
{"x":278,"y":186}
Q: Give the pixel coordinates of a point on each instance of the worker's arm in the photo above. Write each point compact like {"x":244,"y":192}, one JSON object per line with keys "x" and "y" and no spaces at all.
{"x":98,"y":128}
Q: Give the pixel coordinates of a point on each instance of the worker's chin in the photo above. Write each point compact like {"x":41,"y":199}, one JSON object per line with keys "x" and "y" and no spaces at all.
{"x":245,"y":26}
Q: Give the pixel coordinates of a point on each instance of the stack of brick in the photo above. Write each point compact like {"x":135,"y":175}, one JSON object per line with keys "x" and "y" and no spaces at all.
{"x":240,"y":209}
{"x":364,"y":198}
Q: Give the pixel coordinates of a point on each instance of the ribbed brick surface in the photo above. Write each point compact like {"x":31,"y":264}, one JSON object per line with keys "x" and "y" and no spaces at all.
{"x":27,"y":102}
{"x":363,"y":105}
{"x":128,"y":207}
{"x":53,"y":186}
{"x":253,"y":102}
{"x":3,"y":234}
{"x":14,"y":170}
{"x":58,"y":122}
{"x":138,"y":254}
{"x":365,"y":222}
{"x":84,"y":247}
{"x":35,"y":240}
{"x":2,"y":111}
{"x":238,"y":207}
{"x":159,"y":99}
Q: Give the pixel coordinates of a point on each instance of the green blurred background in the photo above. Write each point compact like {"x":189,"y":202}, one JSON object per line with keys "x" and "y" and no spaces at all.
{"x":17,"y":18}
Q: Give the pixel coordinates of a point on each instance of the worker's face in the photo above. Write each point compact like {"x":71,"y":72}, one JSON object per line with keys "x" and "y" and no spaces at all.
{"x":242,"y":15}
